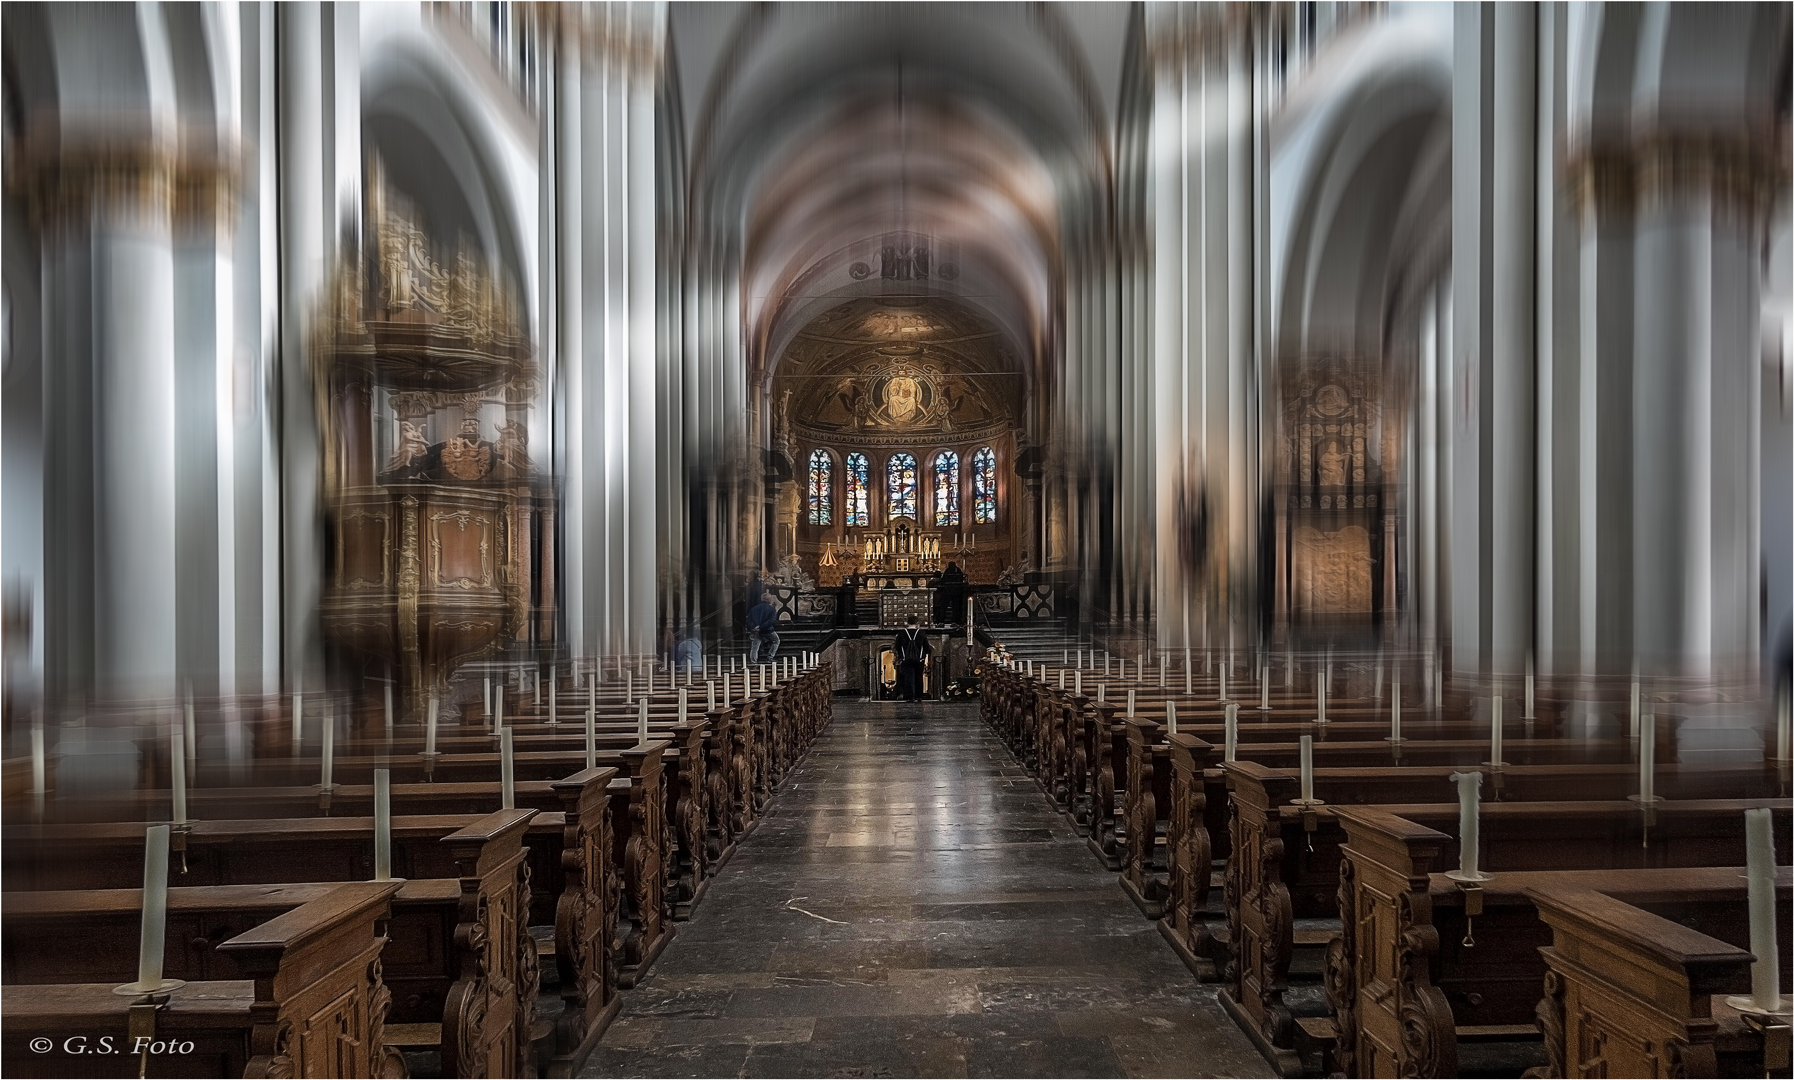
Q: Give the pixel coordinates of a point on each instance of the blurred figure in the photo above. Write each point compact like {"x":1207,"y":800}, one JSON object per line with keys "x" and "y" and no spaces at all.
{"x":689,"y":654}
{"x":763,"y":626}
{"x":912,"y":653}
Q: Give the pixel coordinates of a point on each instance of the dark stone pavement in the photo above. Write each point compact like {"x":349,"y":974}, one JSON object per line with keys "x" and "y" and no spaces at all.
{"x":912,"y":906}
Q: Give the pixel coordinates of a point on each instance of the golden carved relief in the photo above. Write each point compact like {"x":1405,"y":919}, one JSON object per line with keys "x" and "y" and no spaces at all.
{"x":1332,"y":570}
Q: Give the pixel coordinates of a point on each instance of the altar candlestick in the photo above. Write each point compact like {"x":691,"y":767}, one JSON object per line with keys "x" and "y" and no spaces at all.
{"x":430,"y":726}
{"x":154,"y":931}
{"x":382,"y":824}
{"x":1495,"y":732}
{"x":507,"y":771}
{"x":971,"y":626}
{"x":1759,"y":856}
{"x":329,"y":725}
{"x":1171,"y":718}
{"x":1308,"y":768}
{"x":641,"y":721}
{"x":1647,"y":759}
{"x":1469,"y":823}
{"x":1232,"y":730}
{"x":177,"y":766}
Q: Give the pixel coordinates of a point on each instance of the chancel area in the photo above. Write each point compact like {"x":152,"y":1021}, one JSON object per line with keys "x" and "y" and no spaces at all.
{"x":643,"y":539}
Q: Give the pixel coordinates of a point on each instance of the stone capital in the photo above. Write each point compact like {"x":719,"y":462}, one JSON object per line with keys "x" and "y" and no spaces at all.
{"x":74,"y":178}
{"x":1620,"y":174}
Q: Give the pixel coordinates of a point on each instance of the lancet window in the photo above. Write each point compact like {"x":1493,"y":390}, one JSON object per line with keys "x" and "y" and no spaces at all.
{"x":984,"y":486}
{"x":946,"y":488}
{"x":854,"y":493}
{"x":822,"y":488}
{"x":900,"y":486}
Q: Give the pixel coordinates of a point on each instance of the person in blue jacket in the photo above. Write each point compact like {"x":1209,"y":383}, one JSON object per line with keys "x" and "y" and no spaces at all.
{"x":763,"y":631}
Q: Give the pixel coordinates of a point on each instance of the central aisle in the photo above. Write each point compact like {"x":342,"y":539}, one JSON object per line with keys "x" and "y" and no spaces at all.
{"x":912,"y":906}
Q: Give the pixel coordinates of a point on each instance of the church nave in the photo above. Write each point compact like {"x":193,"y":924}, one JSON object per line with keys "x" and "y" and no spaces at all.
{"x":912,"y":906}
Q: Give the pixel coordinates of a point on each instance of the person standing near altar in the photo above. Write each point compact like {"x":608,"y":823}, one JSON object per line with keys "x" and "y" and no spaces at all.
{"x":912,"y":651}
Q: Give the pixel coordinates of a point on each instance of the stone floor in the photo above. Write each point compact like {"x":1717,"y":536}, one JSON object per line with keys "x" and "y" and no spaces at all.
{"x":911,"y":906}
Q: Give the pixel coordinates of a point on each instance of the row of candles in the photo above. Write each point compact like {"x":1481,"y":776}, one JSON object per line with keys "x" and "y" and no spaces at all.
{"x":1765,"y":993}
{"x":153,"y":939}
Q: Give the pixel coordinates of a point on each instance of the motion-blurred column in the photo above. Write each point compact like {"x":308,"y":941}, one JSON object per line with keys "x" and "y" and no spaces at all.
{"x":608,"y":350}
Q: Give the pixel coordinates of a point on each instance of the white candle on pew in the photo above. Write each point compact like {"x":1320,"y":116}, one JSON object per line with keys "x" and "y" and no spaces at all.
{"x":1634,"y":714}
{"x":1162,"y":659}
{"x":1062,"y":678}
{"x":1223,"y":682}
{"x":628,"y":686}
{"x":1469,"y":822}
{"x":1064,"y":656}
{"x":1189,"y":675}
{"x":1528,"y":714}
{"x":641,"y":721}
{"x":388,"y":703}
{"x":1759,"y":855}
{"x":487,"y":696}
{"x":1078,"y":681}
{"x":1395,"y":708}
{"x":1495,"y":731}
{"x":430,"y":726}
{"x":1130,"y":704}
{"x":682,"y":706}
{"x":329,"y":725}
{"x":1102,"y":691}
{"x":498,"y":717}
{"x":1264,"y":688}
{"x":535,"y":683}
{"x":155,"y":910}
{"x":1289,"y":671}
{"x":1320,"y":688}
{"x":192,"y":731}
{"x":1233,"y":731}
{"x":382,"y":824}
{"x":1308,"y":768}
{"x":507,"y":771}
{"x":553,"y":710}
{"x":177,"y":767}
{"x":1376,"y":693}
{"x":40,"y":778}
{"x":709,"y":695}
{"x":1207,"y":660}
{"x":298,"y":721}
{"x":1105,"y":665}
{"x":591,"y":690}
{"x":1784,"y":724}
{"x":1171,"y":718}
{"x":591,"y":735}
{"x":1647,"y":758}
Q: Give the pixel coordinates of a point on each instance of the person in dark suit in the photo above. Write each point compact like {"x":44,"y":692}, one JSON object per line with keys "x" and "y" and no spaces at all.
{"x":912,"y":649}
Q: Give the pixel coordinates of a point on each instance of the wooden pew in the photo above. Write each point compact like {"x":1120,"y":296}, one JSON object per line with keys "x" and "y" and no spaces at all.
{"x":443,"y":986}
{"x":1403,"y":986}
{"x":1630,"y":992}
{"x":566,"y":880}
{"x":313,"y":1004}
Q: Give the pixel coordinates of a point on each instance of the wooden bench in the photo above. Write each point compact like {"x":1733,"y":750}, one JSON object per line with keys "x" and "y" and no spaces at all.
{"x":313,"y":1003}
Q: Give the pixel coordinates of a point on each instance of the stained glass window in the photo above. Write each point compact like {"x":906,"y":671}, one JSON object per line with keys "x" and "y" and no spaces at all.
{"x":984,"y":486}
{"x":900,"y":486}
{"x":855,"y":495}
{"x":946,"y":488}
{"x":822,"y":488}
